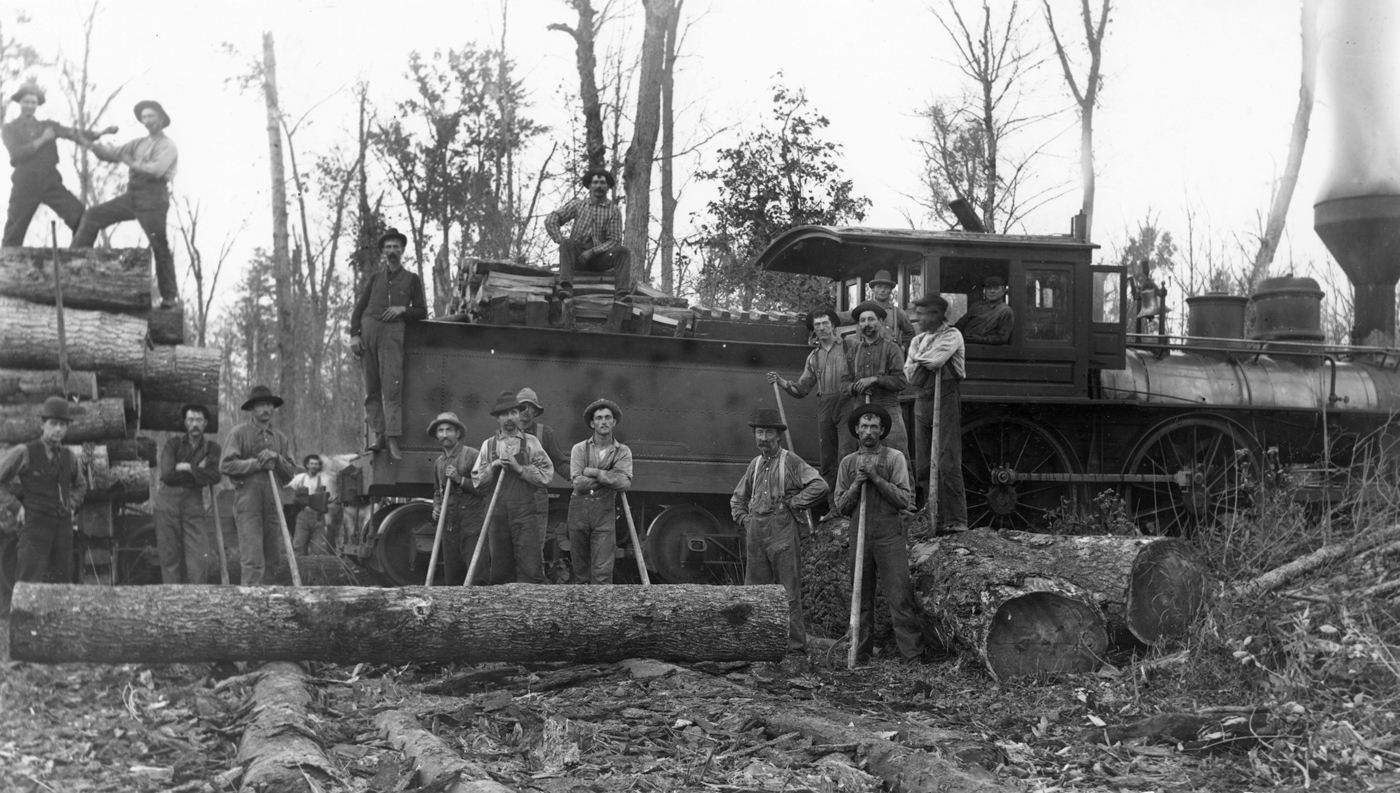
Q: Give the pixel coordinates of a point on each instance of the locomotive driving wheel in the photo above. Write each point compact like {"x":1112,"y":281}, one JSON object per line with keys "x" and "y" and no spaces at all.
{"x":1195,"y":472}
{"x":1012,"y":472}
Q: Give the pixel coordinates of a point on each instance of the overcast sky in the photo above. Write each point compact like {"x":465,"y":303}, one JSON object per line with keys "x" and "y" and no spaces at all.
{"x":1196,"y":112}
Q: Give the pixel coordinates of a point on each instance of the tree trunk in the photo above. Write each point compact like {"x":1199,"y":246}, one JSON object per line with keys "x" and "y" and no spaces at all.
{"x":126,"y":391}
{"x":142,"y":447}
{"x":281,"y":254}
{"x":1018,"y":618}
{"x":166,"y":325}
{"x":159,"y":415}
{"x":668,"y":153}
{"x":21,"y":385}
{"x":435,"y":760}
{"x":113,"y":344}
{"x":61,"y":623}
{"x":280,"y":748}
{"x":107,"y":279}
{"x":182,"y":374}
{"x":641,"y":152}
{"x":97,"y":420}
{"x":595,"y":150}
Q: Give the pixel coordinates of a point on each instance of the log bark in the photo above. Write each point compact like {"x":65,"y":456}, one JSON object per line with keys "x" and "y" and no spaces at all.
{"x":166,"y":325}
{"x":181,"y":374}
{"x":142,"y":448}
{"x":279,"y":748}
{"x":98,"y":341}
{"x":1018,"y":617}
{"x":436,"y":762}
{"x":159,"y":415}
{"x":125,"y":390}
{"x":21,"y":385}
{"x":106,"y":279}
{"x":98,"y":420}
{"x":128,"y":481}
{"x":59,"y":623}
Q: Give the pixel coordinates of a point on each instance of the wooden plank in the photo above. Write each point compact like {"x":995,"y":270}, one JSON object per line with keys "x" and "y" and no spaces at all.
{"x":536,"y":311}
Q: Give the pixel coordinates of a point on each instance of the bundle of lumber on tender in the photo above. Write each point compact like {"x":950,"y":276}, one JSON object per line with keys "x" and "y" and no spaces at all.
{"x":54,"y":623}
{"x":106,"y":279}
{"x":30,"y":385}
{"x":97,"y":420}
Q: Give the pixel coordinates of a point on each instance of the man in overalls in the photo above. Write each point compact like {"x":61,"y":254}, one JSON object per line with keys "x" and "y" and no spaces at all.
{"x":600,"y":468}
{"x":878,"y":368}
{"x":466,"y":509}
{"x":775,"y":485}
{"x":884,"y":475}
{"x":52,"y":485}
{"x":251,"y":450}
{"x":517,"y":545}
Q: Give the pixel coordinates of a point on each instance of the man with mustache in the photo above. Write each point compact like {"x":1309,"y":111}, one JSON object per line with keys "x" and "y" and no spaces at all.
{"x":52,"y":485}
{"x":878,"y":368}
{"x":594,"y":242}
{"x":517,"y":545}
{"x":828,"y":370}
{"x":989,"y":320}
{"x":189,"y":465}
{"x":254,"y":448}
{"x":600,"y":467}
{"x":390,"y":297}
{"x":937,"y":353}
{"x":775,"y":486}
{"x":466,"y":509}
{"x":530,"y":410}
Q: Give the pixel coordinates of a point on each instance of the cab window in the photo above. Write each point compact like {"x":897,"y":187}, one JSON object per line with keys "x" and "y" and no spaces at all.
{"x":1047,"y":300}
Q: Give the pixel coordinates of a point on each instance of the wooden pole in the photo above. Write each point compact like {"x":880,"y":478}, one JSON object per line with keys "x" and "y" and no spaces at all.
{"x":219,"y":537}
{"x":857,"y":570}
{"x":787,"y":435}
{"x":636,"y":543}
{"x":286,"y":532}
{"x":485,"y":526}
{"x":437,"y":538}
{"x":58,"y":306}
{"x":933,"y":451}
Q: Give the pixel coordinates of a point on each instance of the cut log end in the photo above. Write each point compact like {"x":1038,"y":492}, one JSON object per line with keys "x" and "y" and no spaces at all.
{"x":1044,"y":632}
{"x":1167,"y":589}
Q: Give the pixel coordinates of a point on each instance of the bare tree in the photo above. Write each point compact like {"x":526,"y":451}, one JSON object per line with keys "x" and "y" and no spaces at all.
{"x":641,"y":153}
{"x":585,"y":34}
{"x":16,"y":58}
{"x":668,"y":151}
{"x":206,"y":282}
{"x":1086,"y":97}
{"x":87,"y":109}
{"x":281,"y":258}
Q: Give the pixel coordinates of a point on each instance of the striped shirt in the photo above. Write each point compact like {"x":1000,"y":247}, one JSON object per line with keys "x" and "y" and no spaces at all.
{"x":597,"y":226}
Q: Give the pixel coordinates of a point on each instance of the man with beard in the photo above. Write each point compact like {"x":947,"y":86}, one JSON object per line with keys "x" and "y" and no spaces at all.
{"x":254,"y":448}
{"x":466,"y":508}
{"x":390,"y":297}
{"x":594,"y":243}
{"x":883,"y":473}
{"x":600,"y":467}
{"x":52,"y":486}
{"x":828,"y":370}
{"x":189,"y":465}
{"x":775,"y":486}
{"x":311,"y":524}
{"x":988,"y":321}
{"x":530,"y":410}
{"x":517,"y":544}
{"x":897,"y":327}
{"x":878,"y":369}
{"x":33,"y":151}
{"x":934,"y":354}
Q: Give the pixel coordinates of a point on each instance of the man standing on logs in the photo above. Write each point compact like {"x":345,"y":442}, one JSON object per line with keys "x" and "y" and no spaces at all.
{"x":254,"y":448}
{"x":776,"y":485}
{"x":311,"y":522}
{"x":151,"y":162}
{"x":189,"y":466}
{"x":828,"y":370}
{"x":34,"y":156}
{"x":594,"y":243}
{"x":466,"y":509}
{"x":52,"y":486}
{"x":937,"y":354}
{"x":878,"y":369}
{"x":391,"y":296}
{"x":897,"y":327}
{"x":517,"y":544}
{"x":883,"y":473}
{"x":601,"y":467}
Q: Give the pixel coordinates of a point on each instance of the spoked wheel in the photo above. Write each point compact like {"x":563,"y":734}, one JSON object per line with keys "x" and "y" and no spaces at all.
{"x":405,"y":543}
{"x":1195,"y":471}
{"x":685,"y":544}
{"x":1015,"y":473}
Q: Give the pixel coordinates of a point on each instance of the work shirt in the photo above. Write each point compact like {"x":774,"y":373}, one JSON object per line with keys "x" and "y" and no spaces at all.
{"x":987,"y":323}
{"x":61,"y":494}
{"x":464,"y":493}
{"x":550,"y":444}
{"x":882,"y":360}
{"x":313,"y":484}
{"x":894,"y":494}
{"x":385,"y":288}
{"x":20,"y":135}
{"x":827,"y":369}
{"x":614,"y":462}
{"x":896,"y":324}
{"x":928,"y":353}
{"x":240,"y":460}
{"x":538,"y":471}
{"x":203,"y":459}
{"x":153,"y":156}
{"x":596,"y":226}
{"x":773,"y":483}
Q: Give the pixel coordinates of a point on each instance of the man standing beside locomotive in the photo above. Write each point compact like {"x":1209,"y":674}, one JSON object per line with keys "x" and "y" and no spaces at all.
{"x":189,"y":465}
{"x":517,"y":544}
{"x":530,"y":409}
{"x":878,"y":368}
{"x":52,"y":486}
{"x":391,"y":296}
{"x":254,"y":448}
{"x":466,"y":510}
{"x":937,"y":355}
{"x":774,"y":486}
{"x":311,"y":522}
{"x":594,"y":242}
{"x":989,"y":320}
{"x":897,"y":327}
{"x":600,"y":467}
{"x":828,"y":370}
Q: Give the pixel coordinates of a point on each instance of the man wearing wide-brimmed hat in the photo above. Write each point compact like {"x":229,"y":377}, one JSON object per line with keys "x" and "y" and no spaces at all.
{"x":828,"y":371}
{"x":252,"y":449}
{"x":391,"y":296}
{"x":775,"y":486}
{"x":878,"y":368}
{"x":936,"y":367}
{"x":517,"y":544}
{"x":52,"y":486}
{"x":33,"y":151}
{"x":989,"y":320}
{"x":530,"y":411}
{"x":883,"y":473}
{"x":594,"y":241}
{"x":897,"y":327}
{"x":189,"y":465}
{"x":466,"y":509}
{"x":600,"y":468}
{"x":151,"y":163}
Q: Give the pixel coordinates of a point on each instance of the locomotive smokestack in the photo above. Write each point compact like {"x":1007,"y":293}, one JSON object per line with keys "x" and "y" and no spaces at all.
{"x":1363,"y":233}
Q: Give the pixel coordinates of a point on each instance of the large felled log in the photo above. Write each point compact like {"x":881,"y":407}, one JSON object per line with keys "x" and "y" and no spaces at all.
{"x":58,"y":623}
{"x":125,"y":390}
{"x":92,"y":421}
{"x":141,"y":448}
{"x":108,"y":279}
{"x":113,"y":344}
{"x":181,"y":374}
{"x":166,"y":325}
{"x":279,"y":748}
{"x":159,"y":415}
{"x":27,"y":385}
{"x":1018,"y":618}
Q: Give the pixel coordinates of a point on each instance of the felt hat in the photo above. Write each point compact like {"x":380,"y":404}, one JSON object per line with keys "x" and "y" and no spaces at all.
{"x":932,"y":299}
{"x":56,"y":407}
{"x":392,"y":234}
{"x":261,"y":393}
{"x":28,"y":88}
{"x":587,"y":179}
{"x":447,"y":417}
{"x":154,"y":105}
{"x":825,"y":311}
{"x":869,"y":305}
{"x":768,"y":417}
{"x":194,"y":406}
{"x":527,"y":397}
{"x":882,"y":277}
{"x":601,"y":403}
{"x":868,"y":409}
{"x":993,"y":280}
{"x":504,"y":403}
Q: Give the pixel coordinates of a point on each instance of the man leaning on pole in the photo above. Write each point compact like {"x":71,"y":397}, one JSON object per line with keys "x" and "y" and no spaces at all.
{"x":600,"y":468}
{"x":254,"y":448}
{"x":936,"y":366}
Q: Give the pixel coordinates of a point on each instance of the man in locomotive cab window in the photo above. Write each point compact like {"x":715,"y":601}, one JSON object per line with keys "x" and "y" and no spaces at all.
{"x":251,"y":450}
{"x":937,"y":354}
{"x":765,"y":503}
{"x":52,"y":485}
{"x":883,"y":474}
{"x":466,"y":508}
{"x":390,"y":297}
{"x":594,"y":240}
{"x":524,"y":471}
{"x":989,"y":320}
{"x":600,"y":467}
{"x":878,"y":369}
{"x":530,"y":410}
{"x":897,"y":327}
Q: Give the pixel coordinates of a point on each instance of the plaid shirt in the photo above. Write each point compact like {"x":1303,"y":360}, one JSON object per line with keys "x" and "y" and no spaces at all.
{"x":598,"y":226}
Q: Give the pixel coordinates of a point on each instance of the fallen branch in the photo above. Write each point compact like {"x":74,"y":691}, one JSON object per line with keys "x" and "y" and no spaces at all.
{"x":434,"y":760}
{"x":1193,"y":732}
{"x":1325,"y":555}
{"x":279,"y":748}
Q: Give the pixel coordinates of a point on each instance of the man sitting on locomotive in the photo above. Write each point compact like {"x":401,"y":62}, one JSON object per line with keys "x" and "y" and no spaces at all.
{"x":988,"y":321}
{"x":594,"y":242}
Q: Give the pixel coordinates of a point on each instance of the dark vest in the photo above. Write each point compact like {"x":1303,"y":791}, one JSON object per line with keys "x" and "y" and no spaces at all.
{"x":46,"y":482}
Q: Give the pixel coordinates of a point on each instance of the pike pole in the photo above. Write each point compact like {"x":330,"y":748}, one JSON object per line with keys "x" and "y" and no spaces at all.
{"x":437,"y":538}
{"x":286,"y":532}
{"x":485,"y":525}
{"x":934,"y":449}
{"x":636,"y":543}
{"x":219,"y":536}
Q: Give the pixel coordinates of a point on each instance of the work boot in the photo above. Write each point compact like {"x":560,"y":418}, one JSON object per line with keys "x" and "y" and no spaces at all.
{"x":394,"y":452}
{"x":376,"y":442}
